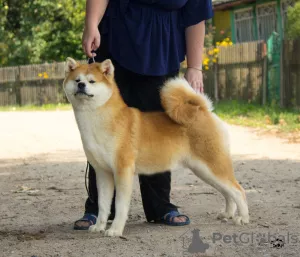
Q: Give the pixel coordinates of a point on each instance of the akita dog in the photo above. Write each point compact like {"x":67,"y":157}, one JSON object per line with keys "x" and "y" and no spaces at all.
{"x":120,"y":141}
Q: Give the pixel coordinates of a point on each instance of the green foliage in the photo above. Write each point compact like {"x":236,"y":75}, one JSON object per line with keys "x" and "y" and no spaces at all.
{"x":293,"y":21}
{"x":31,"y":108}
{"x":210,"y":31}
{"x":40,"y":31}
{"x":212,"y":35}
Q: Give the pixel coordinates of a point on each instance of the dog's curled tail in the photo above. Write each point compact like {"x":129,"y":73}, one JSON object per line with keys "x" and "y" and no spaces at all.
{"x":181,"y":102}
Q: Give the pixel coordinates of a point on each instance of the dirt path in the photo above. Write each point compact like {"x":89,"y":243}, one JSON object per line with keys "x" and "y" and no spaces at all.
{"x":42,"y":151}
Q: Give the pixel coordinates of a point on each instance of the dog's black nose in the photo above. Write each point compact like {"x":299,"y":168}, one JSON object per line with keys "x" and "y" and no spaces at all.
{"x":81,"y":85}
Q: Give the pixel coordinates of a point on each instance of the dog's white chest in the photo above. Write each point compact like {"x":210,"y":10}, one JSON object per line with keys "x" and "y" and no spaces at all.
{"x":99,"y":154}
{"x":97,"y":144}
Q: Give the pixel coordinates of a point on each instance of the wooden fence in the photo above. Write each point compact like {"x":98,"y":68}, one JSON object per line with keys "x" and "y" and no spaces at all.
{"x":32,"y":84}
{"x":290,"y":74}
{"x":240,"y":74}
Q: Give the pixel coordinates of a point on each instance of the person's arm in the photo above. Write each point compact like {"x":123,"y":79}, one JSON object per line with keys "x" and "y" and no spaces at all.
{"x":195,"y":44}
{"x":95,"y":10}
{"x":194,"y":36}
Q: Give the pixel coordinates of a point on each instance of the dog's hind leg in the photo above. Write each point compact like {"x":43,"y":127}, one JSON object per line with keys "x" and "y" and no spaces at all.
{"x":105,"y":187}
{"x":228,"y":187}
{"x":239,"y":196}
{"x":124,"y":182}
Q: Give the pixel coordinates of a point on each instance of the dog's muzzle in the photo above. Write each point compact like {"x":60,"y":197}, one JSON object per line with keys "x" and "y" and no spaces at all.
{"x":81,"y":90}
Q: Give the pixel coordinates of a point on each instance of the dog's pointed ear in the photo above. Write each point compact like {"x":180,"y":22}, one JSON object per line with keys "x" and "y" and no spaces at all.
{"x":71,"y":64}
{"x":107,"y":68}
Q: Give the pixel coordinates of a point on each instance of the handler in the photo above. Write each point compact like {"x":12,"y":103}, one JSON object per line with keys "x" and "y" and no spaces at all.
{"x":146,"y":41}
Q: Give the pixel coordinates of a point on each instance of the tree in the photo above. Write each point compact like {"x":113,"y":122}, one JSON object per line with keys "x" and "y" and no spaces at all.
{"x":40,"y":31}
{"x":293,"y":21}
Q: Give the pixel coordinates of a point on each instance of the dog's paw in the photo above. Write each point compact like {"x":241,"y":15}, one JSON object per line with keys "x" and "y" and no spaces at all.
{"x":241,"y":220}
{"x":113,"y":232}
{"x":97,"y":228}
{"x":224,"y":216}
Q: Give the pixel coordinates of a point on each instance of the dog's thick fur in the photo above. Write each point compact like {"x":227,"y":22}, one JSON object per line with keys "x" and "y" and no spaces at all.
{"x":120,"y":141}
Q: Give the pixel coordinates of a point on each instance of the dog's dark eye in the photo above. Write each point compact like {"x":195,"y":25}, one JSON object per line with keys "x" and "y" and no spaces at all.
{"x":77,"y":80}
{"x":92,"y":81}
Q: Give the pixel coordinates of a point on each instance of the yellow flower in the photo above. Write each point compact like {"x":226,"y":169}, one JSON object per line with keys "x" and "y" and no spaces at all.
{"x":216,"y":50}
{"x":227,"y":39}
{"x":40,"y":75}
{"x":230,"y":43}
{"x":218,"y":43}
{"x":206,"y":61}
{"x":206,"y":67}
{"x":214,"y":60}
{"x":46,"y":75}
{"x":6,"y":7}
{"x":210,"y":52}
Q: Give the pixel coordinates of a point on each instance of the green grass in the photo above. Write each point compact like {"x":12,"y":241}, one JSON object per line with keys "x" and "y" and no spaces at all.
{"x":233,"y":112}
{"x":259,"y":116}
{"x":45,"y":107}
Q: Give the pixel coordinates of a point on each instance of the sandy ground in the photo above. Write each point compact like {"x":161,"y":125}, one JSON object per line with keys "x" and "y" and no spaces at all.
{"x":42,"y":151}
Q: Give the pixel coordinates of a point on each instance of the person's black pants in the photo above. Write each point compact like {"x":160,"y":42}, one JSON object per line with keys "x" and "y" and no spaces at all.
{"x":142,"y":92}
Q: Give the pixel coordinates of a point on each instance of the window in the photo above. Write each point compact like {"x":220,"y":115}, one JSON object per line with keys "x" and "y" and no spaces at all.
{"x":244,"y":29}
{"x":266,"y":20}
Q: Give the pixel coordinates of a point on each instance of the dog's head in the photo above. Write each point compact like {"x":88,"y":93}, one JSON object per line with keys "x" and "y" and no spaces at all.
{"x":88,"y":84}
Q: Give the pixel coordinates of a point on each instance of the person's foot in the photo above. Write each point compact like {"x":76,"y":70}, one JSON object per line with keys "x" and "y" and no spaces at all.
{"x":88,"y":220}
{"x":85,"y":222}
{"x":178,"y":219}
{"x":174,"y":218}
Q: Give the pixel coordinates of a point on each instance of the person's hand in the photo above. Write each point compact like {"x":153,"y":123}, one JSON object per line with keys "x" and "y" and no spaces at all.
{"x":90,"y":40}
{"x":195,"y":79}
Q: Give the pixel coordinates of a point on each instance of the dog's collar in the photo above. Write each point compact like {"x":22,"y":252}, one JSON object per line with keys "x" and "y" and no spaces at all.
{"x":93,"y":58}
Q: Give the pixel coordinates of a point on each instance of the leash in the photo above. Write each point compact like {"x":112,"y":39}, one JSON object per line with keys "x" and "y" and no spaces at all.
{"x":85,"y":180}
{"x":93,"y":58}
{"x":87,"y":169}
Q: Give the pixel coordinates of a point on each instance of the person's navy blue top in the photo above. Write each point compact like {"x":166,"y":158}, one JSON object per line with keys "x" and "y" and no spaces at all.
{"x":148,"y":36}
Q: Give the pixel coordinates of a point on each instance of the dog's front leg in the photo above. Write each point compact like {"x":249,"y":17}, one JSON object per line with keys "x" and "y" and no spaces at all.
{"x":105,"y":187}
{"x":123,"y":183}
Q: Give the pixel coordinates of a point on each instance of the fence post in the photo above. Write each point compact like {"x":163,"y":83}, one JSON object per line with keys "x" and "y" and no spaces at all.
{"x":18,"y":87}
{"x":265,"y":73}
{"x":216,"y":82}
